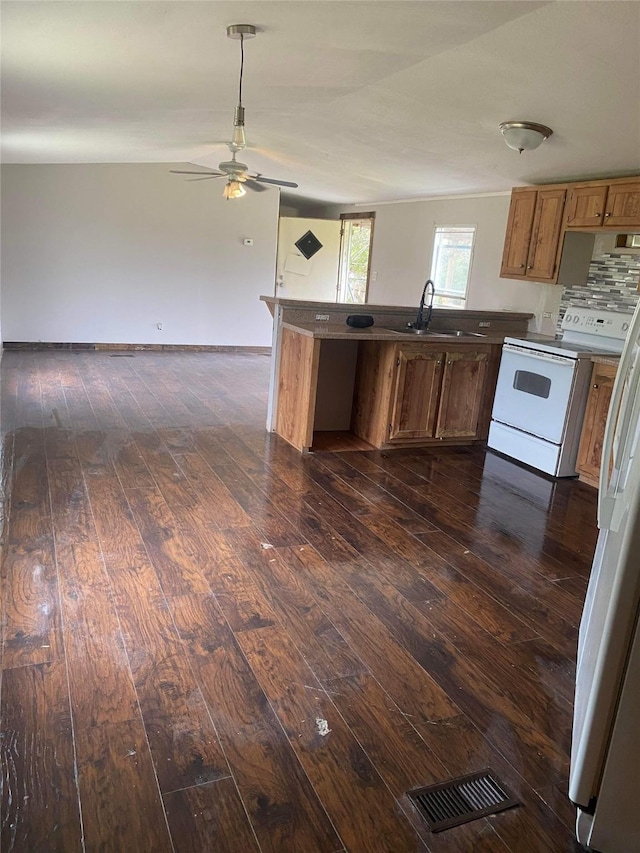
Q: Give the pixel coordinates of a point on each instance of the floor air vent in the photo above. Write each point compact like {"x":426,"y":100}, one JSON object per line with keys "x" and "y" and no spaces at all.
{"x":463,"y":799}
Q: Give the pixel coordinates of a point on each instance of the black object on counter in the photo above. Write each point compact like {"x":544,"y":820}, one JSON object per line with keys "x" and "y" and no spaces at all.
{"x":359,"y":321}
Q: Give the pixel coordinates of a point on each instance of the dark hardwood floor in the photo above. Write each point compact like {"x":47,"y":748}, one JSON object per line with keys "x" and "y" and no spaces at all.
{"x":213,"y":643}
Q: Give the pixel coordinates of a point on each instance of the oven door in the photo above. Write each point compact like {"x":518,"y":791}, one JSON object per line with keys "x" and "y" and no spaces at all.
{"x":534,"y":391}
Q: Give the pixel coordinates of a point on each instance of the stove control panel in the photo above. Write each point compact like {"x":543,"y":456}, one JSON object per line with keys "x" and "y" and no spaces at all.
{"x":589,"y":321}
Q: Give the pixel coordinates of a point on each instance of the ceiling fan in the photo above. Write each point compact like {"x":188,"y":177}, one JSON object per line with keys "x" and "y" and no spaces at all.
{"x":237,"y":173}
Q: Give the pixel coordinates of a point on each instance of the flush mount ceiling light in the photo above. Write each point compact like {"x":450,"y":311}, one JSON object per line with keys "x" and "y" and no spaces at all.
{"x":524,"y":135}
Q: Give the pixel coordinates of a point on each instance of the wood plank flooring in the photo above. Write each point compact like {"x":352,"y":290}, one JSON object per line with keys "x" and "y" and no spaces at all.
{"x":213,"y":643}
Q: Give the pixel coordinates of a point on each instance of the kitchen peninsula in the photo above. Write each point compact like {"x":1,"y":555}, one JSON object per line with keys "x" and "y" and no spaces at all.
{"x":337,"y":387}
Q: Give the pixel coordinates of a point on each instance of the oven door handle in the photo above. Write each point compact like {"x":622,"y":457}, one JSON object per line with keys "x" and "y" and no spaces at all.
{"x":539,"y":354}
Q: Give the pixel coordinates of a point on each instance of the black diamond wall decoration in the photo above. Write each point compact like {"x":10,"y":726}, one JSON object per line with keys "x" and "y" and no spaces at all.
{"x":308,"y":244}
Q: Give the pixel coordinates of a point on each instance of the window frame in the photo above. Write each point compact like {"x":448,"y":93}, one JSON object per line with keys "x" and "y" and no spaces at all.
{"x":459,"y":301}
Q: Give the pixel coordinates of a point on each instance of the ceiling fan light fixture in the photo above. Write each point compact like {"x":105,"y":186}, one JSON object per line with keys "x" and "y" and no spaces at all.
{"x":233,"y":189}
{"x":524,"y":135}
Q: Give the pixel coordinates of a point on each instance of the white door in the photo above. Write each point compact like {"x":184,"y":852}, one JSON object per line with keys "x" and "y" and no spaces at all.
{"x":314,"y":278}
{"x":533,"y":392}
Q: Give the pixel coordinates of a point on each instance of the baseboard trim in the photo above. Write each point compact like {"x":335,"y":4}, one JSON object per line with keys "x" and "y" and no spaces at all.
{"x":82,"y":347}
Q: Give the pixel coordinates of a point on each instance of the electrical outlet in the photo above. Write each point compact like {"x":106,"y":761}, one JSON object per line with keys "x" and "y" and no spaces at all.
{"x":324,"y":318}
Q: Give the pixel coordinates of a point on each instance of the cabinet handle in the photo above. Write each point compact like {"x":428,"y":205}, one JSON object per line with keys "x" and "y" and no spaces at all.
{"x":530,"y":267}
{"x":521,"y":266}
{"x":596,"y":386}
{"x":438,"y":362}
{"x":449,"y":362}
{"x":607,"y":214}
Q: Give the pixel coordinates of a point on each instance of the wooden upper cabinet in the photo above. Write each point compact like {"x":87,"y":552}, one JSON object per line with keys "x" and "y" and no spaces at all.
{"x":415,"y":399}
{"x":586,"y":206}
{"x":545,"y":237}
{"x":604,"y":204}
{"x":462,"y":395}
{"x":519,"y":229}
{"x":623,"y":206}
{"x":534,"y":229}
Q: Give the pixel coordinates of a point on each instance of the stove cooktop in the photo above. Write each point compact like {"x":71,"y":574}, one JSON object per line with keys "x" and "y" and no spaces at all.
{"x":567,"y":348}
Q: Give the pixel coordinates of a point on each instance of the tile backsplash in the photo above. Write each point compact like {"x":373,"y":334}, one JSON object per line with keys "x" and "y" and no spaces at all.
{"x":612,"y":284}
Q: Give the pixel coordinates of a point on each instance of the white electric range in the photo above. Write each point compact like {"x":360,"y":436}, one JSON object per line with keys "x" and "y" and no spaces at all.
{"x":543,"y":386}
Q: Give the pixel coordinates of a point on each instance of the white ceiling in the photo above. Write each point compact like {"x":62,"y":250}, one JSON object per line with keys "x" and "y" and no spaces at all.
{"x":356,"y":101}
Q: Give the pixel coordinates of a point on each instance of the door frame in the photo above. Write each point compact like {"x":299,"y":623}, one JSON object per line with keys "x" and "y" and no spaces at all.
{"x":344,"y":217}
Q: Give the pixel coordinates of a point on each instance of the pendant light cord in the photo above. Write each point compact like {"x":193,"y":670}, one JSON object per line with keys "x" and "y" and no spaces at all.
{"x":241,"y":69}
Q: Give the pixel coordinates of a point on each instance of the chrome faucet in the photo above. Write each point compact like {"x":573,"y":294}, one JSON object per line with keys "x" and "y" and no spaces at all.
{"x":420,"y":322}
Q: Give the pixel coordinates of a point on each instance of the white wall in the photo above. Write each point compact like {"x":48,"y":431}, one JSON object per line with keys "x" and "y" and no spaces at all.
{"x":102,"y":253}
{"x":403,"y":244}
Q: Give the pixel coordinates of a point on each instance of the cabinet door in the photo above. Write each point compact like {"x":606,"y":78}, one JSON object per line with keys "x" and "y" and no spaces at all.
{"x":595,"y":419}
{"x":518,"y":236}
{"x":623,"y":206}
{"x":463,"y":385}
{"x":415,"y":400}
{"x":585,"y":206}
{"x":547,"y":224}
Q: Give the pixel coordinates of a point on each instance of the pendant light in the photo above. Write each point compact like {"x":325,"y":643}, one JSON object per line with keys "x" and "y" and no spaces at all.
{"x":524,"y":135}
{"x":239,"y":32}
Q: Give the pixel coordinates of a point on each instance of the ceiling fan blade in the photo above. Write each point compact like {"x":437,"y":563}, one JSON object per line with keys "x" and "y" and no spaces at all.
{"x":273,"y":181}
{"x":212,"y":174}
{"x":253,"y":185}
{"x":204,"y":178}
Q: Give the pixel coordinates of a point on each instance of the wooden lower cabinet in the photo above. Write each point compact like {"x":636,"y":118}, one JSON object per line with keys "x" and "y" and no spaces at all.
{"x":595,"y":419}
{"x":462,"y":394}
{"x":414,"y":408}
{"x":419,"y":394}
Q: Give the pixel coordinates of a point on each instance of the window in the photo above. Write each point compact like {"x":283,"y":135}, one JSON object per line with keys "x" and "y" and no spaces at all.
{"x":451,"y":264}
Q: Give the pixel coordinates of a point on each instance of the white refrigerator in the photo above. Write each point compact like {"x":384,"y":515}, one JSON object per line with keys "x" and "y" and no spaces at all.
{"x":604,"y":781}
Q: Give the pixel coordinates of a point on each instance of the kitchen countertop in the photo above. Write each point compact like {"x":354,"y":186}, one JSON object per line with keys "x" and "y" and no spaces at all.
{"x":342,"y":332}
{"x":613,"y":360}
{"x":368,"y":308}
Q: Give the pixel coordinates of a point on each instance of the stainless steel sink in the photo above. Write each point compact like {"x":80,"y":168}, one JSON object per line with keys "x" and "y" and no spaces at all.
{"x":446,"y":333}
{"x":458,"y":333}
{"x":412,"y":331}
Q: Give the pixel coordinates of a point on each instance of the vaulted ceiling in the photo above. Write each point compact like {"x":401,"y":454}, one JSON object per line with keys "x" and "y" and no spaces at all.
{"x":356,"y":101}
